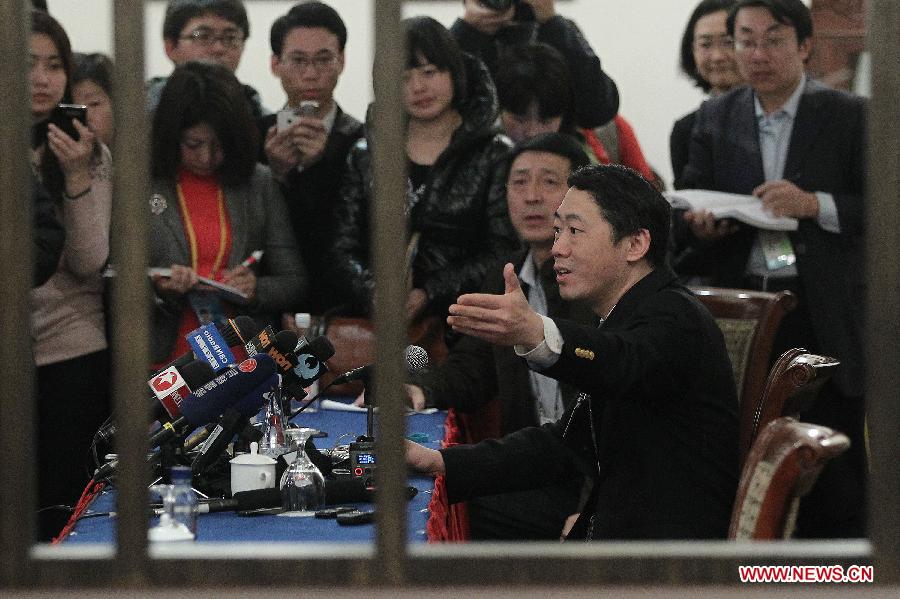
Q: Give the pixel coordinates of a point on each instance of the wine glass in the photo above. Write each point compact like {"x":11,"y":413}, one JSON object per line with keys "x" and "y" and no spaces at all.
{"x":169,"y":527}
{"x":302,"y":484}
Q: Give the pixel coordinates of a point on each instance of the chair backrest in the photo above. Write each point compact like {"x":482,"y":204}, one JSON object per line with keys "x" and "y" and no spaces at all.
{"x":749,"y":321}
{"x":785,"y":461}
{"x":791,"y":388}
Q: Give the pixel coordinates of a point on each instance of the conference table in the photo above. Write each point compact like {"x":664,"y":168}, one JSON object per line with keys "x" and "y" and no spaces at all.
{"x":97,"y":526}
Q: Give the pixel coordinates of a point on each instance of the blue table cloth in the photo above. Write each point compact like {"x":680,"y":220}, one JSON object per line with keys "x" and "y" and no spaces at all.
{"x":228,"y":526}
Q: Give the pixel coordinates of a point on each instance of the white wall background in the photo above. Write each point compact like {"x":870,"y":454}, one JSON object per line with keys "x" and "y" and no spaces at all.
{"x":637,"y":41}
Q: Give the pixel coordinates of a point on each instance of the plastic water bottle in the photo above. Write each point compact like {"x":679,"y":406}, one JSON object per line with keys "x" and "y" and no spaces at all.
{"x":185,"y":508}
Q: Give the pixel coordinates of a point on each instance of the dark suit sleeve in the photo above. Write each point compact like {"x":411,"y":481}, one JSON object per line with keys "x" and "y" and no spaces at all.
{"x":282,"y":283}
{"x":467,"y":380}
{"x":596,"y":94}
{"x":849,"y":201}
{"x":526,"y":459}
{"x":697,"y":173}
{"x":654,"y":354}
{"x":48,"y":235}
{"x":679,"y":147}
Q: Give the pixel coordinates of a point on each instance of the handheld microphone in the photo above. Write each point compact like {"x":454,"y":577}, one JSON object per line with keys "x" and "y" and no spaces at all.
{"x":233,"y":420}
{"x":212,"y":399}
{"x":311,"y":358}
{"x":416,"y":359}
{"x":298,"y":371}
{"x":235,"y":331}
{"x":171,"y":386}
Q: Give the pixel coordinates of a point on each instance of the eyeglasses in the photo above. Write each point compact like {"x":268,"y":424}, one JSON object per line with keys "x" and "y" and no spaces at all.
{"x":319,"y":62}
{"x":767,"y":44}
{"x":207,"y":38}
{"x":708,"y":43}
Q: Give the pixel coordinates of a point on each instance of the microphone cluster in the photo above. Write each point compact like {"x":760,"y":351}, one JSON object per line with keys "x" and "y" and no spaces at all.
{"x":221,"y":383}
{"x":224,"y":381}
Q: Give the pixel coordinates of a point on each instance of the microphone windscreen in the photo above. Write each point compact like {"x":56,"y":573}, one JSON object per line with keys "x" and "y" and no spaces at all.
{"x":320,"y":347}
{"x":237,"y":331}
{"x":253,"y":401}
{"x":197,"y":373}
{"x":257,"y":499}
{"x":285,"y":341}
{"x":416,"y":358}
{"x":207,"y":403}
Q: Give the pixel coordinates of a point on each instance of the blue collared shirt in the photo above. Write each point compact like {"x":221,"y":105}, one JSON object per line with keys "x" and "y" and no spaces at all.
{"x":775,"y":130}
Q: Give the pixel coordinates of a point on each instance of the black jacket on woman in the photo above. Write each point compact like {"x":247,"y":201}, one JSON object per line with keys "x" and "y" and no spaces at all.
{"x":461,"y":216}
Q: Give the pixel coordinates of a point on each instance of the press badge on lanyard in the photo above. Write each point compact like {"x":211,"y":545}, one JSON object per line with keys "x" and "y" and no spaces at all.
{"x":777,"y":249}
{"x":207,"y":306}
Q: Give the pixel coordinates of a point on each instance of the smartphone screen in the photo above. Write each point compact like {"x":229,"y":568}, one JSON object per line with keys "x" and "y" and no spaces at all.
{"x":62,"y":117}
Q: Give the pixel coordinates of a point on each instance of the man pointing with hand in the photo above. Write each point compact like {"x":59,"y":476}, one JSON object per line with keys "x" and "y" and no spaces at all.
{"x":657,"y":417}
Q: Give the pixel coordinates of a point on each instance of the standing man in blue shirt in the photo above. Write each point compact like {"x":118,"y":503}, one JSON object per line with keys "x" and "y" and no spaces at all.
{"x":799,"y":147}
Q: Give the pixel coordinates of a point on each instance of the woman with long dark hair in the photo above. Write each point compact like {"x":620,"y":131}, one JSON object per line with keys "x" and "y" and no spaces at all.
{"x":70,"y":347}
{"x":212,"y":206}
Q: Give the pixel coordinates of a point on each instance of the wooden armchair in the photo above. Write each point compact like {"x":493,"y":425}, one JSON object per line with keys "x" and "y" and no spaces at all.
{"x":783,"y":464}
{"x":749,"y":321}
{"x":791,"y":388}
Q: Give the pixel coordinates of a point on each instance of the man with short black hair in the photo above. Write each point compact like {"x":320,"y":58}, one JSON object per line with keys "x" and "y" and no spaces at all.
{"x":205,"y":31}
{"x":657,"y":417}
{"x":477,"y":372}
{"x":799,"y":147}
{"x":308,"y":157}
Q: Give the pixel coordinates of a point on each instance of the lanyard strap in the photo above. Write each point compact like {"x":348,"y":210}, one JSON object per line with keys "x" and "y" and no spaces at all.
{"x":192,"y":235}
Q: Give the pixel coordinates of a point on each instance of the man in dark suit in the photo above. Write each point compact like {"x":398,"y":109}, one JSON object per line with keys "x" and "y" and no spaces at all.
{"x":477,"y":372}
{"x":308,"y":157}
{"x":799,"y":147}
{"x":657,"y":417}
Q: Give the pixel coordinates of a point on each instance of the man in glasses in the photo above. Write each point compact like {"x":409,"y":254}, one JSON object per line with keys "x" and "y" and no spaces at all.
{"x":799,"y":147}
{"x":307,"y":155}
{"x":205,"y":31}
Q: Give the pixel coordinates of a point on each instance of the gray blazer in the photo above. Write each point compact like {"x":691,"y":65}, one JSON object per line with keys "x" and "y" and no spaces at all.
{"x":259,"y":221}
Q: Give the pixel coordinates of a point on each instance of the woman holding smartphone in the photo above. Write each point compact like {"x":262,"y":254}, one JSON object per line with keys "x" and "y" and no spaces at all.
{"x":70,"y":347}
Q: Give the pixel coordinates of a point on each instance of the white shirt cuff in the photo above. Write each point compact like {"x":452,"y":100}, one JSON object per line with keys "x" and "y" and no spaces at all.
{"x":548,"y":351}
{"x":828,"y":215}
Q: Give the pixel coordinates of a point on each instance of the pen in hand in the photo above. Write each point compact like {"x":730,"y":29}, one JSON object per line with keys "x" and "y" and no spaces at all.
{"x":252,"y":259}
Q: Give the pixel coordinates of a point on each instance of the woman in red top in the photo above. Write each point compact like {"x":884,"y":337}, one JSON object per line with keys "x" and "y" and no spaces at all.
{"x":212,"y":206}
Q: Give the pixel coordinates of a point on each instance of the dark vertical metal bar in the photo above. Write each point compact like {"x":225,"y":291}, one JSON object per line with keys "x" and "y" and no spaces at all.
{"x":17,"y":445}
{"x":883,"y":248}
{"x":388,"y":220}
{"x":129,"y":309}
